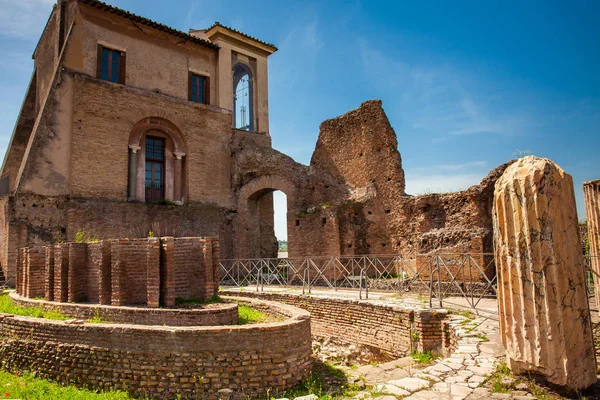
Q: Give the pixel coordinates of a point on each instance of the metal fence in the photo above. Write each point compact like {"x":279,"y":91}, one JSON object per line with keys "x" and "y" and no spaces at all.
{"x":470,"y":276}
{"x":437,"y":276}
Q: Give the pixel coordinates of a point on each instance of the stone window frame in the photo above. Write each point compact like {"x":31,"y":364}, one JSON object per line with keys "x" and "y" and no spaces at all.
{"x":175,"y":153}
{"x":122,"y":60}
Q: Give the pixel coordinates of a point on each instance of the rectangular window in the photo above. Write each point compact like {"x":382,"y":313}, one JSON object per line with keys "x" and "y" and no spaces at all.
{"x":111,"y":65}
{"x":198,"y":92}
{"x":155,"y":169}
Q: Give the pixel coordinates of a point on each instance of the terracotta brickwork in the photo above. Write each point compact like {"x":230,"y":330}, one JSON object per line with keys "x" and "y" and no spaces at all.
{"x":395,"y":331}
{"x":122,"y":272}
{"x":160,"y":362}
{"x":201,"y":315}
{"x":76,"y":159}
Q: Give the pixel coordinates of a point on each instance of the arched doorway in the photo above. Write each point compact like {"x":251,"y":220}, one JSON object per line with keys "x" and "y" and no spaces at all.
{"x":255,"y":223}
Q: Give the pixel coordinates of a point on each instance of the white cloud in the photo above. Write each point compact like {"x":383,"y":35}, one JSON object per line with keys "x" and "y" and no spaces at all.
{"x":435,"y":99}
{"x":24,"y":18}
{"x":437,"y":183}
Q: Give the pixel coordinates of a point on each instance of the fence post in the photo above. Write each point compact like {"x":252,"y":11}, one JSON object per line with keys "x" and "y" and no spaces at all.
{"x":430,"y":283}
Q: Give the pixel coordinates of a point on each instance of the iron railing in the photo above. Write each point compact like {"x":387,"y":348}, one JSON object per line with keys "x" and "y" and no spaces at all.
{"x":471,"y":276}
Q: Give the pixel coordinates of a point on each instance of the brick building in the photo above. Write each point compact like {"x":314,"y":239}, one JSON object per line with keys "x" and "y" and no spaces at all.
{"x":121,"y":112}
{"x":129,"y":126}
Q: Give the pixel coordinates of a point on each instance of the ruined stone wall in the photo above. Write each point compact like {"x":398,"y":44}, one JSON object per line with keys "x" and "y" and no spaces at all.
{"x":376,"y":217}
{"x":145,"y":272}
{"x":158,"y":362}
{"x":394,"y":331}
{"x":351,"y":200}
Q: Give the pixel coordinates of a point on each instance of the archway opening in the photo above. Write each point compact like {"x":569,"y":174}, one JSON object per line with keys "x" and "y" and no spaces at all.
{"x":267,"y":224}
{"x":280,"y":222}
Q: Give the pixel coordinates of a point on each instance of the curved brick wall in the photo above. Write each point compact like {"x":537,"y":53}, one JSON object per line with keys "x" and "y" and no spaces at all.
{"x":209,"y":315}
{"x":161,"y":361}
{"x":394,"y":330}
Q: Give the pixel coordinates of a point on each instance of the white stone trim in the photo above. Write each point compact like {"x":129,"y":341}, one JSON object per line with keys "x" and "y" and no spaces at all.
{"x":199,"y":72}
{"x":112,"y":46}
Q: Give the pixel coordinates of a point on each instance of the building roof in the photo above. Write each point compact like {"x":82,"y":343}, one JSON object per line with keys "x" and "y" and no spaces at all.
{"x":272,"y":46}
{"x":148,"y":22}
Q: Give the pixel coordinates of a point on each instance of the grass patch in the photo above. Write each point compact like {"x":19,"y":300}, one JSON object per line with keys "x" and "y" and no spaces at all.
{"x":422,"y":358}
{"x":325,"y":381}
{"x":29,"y":387}
{"x":502,"y":380}
{"x":483,"y":337}
{"x":8,"y":307}
{"x":192,"y":301}
{"x":249,"y":315}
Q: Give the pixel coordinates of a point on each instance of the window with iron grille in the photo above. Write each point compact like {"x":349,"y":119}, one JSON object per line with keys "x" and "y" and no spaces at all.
{"x":111,"y":65}
{"x":198,"y":91}
{"x":155,"y":169}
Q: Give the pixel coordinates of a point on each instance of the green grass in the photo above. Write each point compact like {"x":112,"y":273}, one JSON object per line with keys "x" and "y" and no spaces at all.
{"x":422,"y":358}
{"x":29,"y":387}
{"x":183,"y":301}
{"x":497,"y":382}
{"x":7,"y":306}
{"x":325,"y":381}
{"x":249,"y":315}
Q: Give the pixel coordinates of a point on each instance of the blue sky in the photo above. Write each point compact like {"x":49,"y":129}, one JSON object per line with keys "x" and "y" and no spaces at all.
{"x":465,"y":84}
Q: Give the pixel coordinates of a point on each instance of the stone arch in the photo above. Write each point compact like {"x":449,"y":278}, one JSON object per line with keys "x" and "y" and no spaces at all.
{"x":254,"y":223}
{"x":174,"y":153}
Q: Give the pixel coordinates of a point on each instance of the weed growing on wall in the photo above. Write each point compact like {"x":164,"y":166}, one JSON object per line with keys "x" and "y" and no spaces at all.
{"x":84,"y":237}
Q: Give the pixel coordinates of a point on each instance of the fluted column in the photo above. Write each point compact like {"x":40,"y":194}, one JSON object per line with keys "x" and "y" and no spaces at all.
{"x":544,"y":313}
{"x":591,"y":195}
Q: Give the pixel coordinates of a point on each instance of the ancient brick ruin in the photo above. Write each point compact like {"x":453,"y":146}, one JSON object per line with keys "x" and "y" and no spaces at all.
{"x":145,"y":272}
{"x":215,"y":177}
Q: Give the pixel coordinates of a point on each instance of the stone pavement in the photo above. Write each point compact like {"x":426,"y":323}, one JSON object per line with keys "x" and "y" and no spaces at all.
{"x":457,"y":377}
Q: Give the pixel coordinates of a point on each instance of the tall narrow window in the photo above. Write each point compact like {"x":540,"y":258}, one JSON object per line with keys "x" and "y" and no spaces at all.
{"x":155,"y":169}
{"x":198,"y":88}
{"x":243,"y":104}
{"x":111,"y":65}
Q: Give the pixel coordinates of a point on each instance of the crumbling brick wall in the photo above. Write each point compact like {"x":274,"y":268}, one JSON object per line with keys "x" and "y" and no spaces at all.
{"x":147,"y":272}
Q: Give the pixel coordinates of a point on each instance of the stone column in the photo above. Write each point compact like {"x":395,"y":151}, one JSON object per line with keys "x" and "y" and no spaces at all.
{"x":178,"y":184}
{"x":544,"y":313}
{"x":591,"y":194}
{"x":133,"y":172}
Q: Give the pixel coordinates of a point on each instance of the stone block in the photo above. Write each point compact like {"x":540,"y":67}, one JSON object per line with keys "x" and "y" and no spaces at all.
{"x":544,"y":312}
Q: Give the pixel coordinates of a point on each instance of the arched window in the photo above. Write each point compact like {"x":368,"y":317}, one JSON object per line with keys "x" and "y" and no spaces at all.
{"x":243,"y":101}
{"x":156,"y":167}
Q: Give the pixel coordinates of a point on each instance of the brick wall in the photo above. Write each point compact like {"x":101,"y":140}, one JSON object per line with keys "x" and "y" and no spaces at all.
{"x":122,"y":272}
{"x":393,"y":330}
{"x":160,"y":362}
{"x":201,"y":315}
{"x":35,"y":270}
